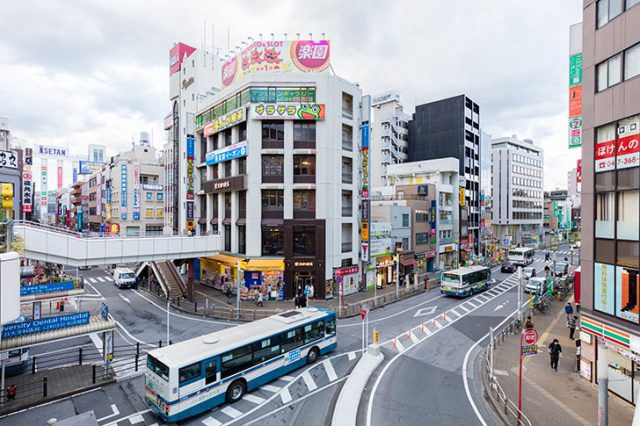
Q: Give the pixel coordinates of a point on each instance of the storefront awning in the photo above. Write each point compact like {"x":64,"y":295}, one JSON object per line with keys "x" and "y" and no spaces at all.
{"x":272,"y":222}
{"x":265,"y":265}
{"x":241,"y":221}
{"x":214,"y":220}
{"x":227,"y":259}
{"x":202,"y":221}
{"x":409,"y":262}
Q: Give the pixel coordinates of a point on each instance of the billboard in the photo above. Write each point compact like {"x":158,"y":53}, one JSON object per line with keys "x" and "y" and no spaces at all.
{"x":190,"y":167}
{"x":27,"y":182}
{"x":621,"y":150}
{"x":177,"y":54}
{"x":227,"y":153}
{"x":288,"y":111}
{"x":51,"y":323}
{"x":224,"y":121}
{"x":52,"y":151}
{"x":123,"y":191}
{"x":277,"y":56}
{"x":8,"y":159}
{"x":575,"y":100}
{"x":90,"y":167}
{"x":579,"y":171}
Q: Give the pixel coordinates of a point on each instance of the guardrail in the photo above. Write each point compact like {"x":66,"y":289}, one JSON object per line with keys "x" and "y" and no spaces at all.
{"x":508,"y":407}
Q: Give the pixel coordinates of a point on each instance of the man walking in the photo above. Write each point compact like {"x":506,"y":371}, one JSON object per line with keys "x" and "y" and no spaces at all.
{"x":555,"y":352}
{"x":568,"y":310}
{"x":571,"y":323}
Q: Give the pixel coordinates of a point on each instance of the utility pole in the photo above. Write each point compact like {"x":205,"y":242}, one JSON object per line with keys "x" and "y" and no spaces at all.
{"x":168,"y":308}
{"x":603,"y":384}
{"x":397,"y":274}
{"x":520,"y":278}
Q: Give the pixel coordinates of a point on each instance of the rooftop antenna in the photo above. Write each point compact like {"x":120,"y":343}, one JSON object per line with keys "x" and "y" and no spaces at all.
{"x":310,"y":36}
{"x":285,"y":36}
{"x":298,"y":34}
{"x":204,"y":35}
{"x":260,"y":35}
{"x":272,"y":37}
{"x":228,"y":38}
{"x":213,"y":45}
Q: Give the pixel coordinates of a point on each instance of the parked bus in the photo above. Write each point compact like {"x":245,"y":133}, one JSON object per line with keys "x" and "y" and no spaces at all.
{"x":521,"y":256}
{"x":193,"y":376}
{"x":17,"y":361}
{"x":465,"y":281}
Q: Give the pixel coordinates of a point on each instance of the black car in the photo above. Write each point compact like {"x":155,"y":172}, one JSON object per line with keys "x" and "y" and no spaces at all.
{"x":508,"y":267}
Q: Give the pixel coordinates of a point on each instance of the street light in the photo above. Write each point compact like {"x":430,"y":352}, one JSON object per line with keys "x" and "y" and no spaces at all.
{"x":238,"y":282}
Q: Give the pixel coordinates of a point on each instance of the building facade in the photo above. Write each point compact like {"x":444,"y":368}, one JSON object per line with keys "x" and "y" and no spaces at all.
{"x":517,"y":191}
{"x":389,"y":135}
{"x":451,"y":128}
{"x":280,"y":177}
{"x":610,"y":250}
{"x":97,"y":153}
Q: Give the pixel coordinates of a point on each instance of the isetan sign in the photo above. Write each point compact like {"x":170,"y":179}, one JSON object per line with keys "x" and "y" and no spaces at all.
{"x":235,"y":183}
{"x":52,"y":151}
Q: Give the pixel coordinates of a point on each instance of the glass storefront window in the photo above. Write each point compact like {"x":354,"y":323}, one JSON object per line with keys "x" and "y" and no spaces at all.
{"x":603,"y":288}
{"x":605,"y":213}
{"x":628,"y":221}
{"x":304,"y":240}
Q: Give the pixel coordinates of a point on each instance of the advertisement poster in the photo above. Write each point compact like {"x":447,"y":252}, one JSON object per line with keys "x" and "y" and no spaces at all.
{"x":605,"y":157}
{"x":288,"y":111}
{"x":575,"y":100}
{"x":136,"y":192}
{"x":43,"y":185}
{"x":277,"y":56}
{"x":227,"y":153}
{"x":123,"y":192}
{"x":627,"y":294}
{"x":225,"y":121}
{"x":27,"y":182}
{"x":190,"y":167}
{"x":603,"y":288}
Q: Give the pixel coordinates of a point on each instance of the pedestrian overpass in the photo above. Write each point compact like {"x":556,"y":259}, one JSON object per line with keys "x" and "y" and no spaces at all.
{"x":50,"y":244}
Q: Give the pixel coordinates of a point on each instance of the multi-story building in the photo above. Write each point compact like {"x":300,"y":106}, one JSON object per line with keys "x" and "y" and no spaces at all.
{"x":95,"y":187}
{"x":11,"y":175}
{"x":280,"y":183}
{"x":451,"y":128}
{"x":437,"y":182}
{"x":610,"y":252}
{"x":389,"y":136}
{"x":194,"y":78}
{"x":517,"y":190}
{"x":76,"y":206}
{"x":486,"y":222}
{"x":135,"y":191}
{"x":97,"y":153}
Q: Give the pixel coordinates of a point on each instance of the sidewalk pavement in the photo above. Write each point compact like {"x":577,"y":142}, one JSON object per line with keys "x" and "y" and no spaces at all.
{"x":550,"y":397}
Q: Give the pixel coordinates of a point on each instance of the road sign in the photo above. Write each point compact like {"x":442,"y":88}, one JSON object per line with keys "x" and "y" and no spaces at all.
{"x":529,"y":349}
{"x":530,"y":336}
{"x":364,"y":310}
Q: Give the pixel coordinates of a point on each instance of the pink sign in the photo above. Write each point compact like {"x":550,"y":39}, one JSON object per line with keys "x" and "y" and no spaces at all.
{"x":177,"y":55}
{"x":310,"y":56}
{"x":605,"y":156}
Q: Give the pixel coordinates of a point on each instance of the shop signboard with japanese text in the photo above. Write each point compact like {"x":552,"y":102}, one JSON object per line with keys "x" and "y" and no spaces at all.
{"x":190,"y":167}
{"x":227,"y":153}
{"x":225,"y":121}
{"x":177,"y":54}
{"x":27,"y":181}
{"x":277,"y":56}
{"x":123,"y":192}
{"x":136,"y":192}
{"x":575,"y":100}
{"x":8,"y":159}
{"x":288,"y":111}
{"x":90,"y":167}
{"x":51,"y":323}
{"x":619,"y":148}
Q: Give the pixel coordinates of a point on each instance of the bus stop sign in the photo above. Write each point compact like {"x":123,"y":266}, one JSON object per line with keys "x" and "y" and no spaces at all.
{"x":530,"y":336}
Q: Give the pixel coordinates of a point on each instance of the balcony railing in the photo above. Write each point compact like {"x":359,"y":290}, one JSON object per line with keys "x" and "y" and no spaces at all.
{"x":347,"y":247}
{"x":347,"y":177}
{"x":347,"y":211}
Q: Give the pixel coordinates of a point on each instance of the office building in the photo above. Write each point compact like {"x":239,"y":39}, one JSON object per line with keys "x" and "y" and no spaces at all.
{"x":517,"y":191}
{"x":389,"y":136}
{"x":280,"y":178}
{"x":451,"y":128}
{"x":97,"y":153}
{"x":610,"y":252}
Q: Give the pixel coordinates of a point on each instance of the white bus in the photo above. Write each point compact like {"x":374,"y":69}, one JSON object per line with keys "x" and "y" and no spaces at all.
{"x":521,"y":256}
{"x":465,"y":281}
{"x":193,"y":376}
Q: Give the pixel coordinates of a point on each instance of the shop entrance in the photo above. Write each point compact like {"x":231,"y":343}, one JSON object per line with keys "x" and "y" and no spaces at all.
{"x":301,"y":281}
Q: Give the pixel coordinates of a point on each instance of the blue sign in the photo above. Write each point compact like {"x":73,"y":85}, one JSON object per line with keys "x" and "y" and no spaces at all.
{"x":104,"y":311}
{"x":365,"y":136}
{"x":51,"y":323}
{"x":75,"y":174}
{"x":136,"y":215}
{"x":46,"y":288}
{"x":123,"y":187}
{"x":123,"y":216}
{"x":89,"y":167}
{"x":227,"y":153}
{"x":152,"y":187}
{"x":191,"y":143}
{"x":108,"y":191}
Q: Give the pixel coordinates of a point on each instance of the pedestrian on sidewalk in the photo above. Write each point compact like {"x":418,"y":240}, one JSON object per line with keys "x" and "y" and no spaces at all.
{"x":571,"y":323}
{"x":555,"y":352}
{"x":296,"y":301}
{"x":11,"y":392}
{"x":303,"y":301}
{"x":568,"y":309}
{"x":260,"y":300}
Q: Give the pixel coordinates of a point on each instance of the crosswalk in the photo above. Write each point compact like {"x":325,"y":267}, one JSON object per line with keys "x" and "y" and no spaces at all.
{"x":95,"y":280}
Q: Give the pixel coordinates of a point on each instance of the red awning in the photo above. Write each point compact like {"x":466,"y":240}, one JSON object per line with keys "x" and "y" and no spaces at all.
{"x":409,"y":262}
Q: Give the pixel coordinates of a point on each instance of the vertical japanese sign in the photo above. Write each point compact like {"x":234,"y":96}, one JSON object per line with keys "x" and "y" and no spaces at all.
{"x":107,"y":206}
{"x":43,"y":186}
{"x":136,"y":192}
{"x":190,"y":167}
{"x":27,"y":181}
{"x":365,"y":235}
{"x":575,"y":100}
{"x":123,"y":191}
{"x":99,"y":194}
{"x":59,"y":187}
{"x":579,"y":171}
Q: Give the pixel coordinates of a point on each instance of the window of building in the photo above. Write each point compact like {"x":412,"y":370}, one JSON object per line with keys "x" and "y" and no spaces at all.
{"x":347,"y":137}
{"x":347,"y":204}
{"x":628,"y":220}
{"x":149,"y":196}
{"x":422,"y":216}
{"x":609,"y":72}
{"x":422,"y":238}
{"x":272,"y":165}
{"x":227,"y":169}
{"x":304,"y":238}
{"x":347,"y":170}
{"x":632,"y":61}
{"x":304,"y":131}
{"x":272,"y":199}
{"x":242,"y":132}
{"x":273,"y":131}
{"x":304,"y":165}
{"x":405,"y":220}
{"x":227,"y":137}
{"x":304,"y":199}
{"x":347,"y":105}
{"x":272,"y":239}
{"x":242,"y":166}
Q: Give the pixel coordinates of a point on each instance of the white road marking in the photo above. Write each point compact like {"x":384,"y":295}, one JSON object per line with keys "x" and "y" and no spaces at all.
{"x":124,"y":298}
{"x":231,"y":412}
{"x":136,"y":419}
{"x":469,"y":302}
{"x":485,"y":298}
{"x":331,"y":373}
{"x":253,"y":398}
{"x":108,"y":278}
{"x":437,"y":324}
{"x":100,"y":279}
{"x":398,"y":344}
{"x":115,"y":410}
{"x":97,"y":341}
{"x":270,"y":388}
{"x":493,"y":293}
{"x":358,"y":324}
{"x":500,"y":372}
{"x":351,"y":355}
{"x":453,"y":311}
{"x":210,"y":421}
{"x":412,"y":337}
{"x":425,"y":311}
{"x":426,"y":330}
{"x":285,"y":395}
{"x":287,"y":378}
{"x":92,"y":280}
{"x":308,"y":380}
{"x":463,"y":308}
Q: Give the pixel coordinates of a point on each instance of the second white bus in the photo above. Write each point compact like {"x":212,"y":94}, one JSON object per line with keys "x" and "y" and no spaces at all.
{"x":521,"y":256}
{"x":193,"y":376}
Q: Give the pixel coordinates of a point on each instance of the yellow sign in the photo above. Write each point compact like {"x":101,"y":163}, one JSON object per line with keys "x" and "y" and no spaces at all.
{"x":365,"y":231}
{"x":447,"y":249}
{"x":462,"y":196}
{"x":376,"y":335}
{"x":7,"y":196}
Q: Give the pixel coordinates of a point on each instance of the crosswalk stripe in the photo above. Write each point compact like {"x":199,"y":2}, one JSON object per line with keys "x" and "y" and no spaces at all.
{"x":463,"y":308}
{"x":493,"y":293}
{"x":92,"y":280}
{"x":438,"y":325}
{"x":331,"y":373}
{"x":473,"y":306}
{"x":210,"y":421}
{"x":270,"y":388}
{"x":287,"y":378}
{"x":285,"y":396}
{"x":108,"y":278}
{"x":485,"y":298}
{"x":252,"y":398}
{"x":351,"y":355}
{"x":231,"y":412}
{"x":399,"y":345}
{"x":100,"y":279}
{"x":308,"y":380}
{"x":453,"y":311}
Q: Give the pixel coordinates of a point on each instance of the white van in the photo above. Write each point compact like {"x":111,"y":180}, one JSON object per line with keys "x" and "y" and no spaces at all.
{"x":124,"y":277}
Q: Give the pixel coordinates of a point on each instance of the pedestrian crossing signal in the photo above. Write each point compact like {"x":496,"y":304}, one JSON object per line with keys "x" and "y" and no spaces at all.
{"x":376,"y":335}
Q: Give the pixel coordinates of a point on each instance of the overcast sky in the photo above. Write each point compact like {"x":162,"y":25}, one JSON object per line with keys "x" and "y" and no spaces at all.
{"x":80,"y":72}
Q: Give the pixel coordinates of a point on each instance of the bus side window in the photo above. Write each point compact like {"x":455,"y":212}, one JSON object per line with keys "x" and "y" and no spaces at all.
{"x":266,"y":349}
{"x":190,"y":372}
{"x":292,"y":339}
{"x":210,"y":371}
{"x":313,"y":332}
{"x":330,"y":327}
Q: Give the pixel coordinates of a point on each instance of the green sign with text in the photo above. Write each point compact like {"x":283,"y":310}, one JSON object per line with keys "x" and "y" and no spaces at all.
{"x":575,"y":69}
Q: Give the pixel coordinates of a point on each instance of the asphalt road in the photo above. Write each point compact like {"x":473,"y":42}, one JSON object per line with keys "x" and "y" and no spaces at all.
{"x":422,"y":385}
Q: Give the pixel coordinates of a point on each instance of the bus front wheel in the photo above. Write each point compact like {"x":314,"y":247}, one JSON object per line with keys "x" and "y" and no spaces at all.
{"x":313,"y":355}
{"x":236,"y":391}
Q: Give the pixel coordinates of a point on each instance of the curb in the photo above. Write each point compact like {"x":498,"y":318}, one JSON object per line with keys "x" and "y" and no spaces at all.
{"x":488,"y":394}
{"x":346,"y":407}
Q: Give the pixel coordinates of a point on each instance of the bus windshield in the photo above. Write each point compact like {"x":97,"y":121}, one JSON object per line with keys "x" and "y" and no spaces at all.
{"x":451,"y":278}
{"x":157,"y":367}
